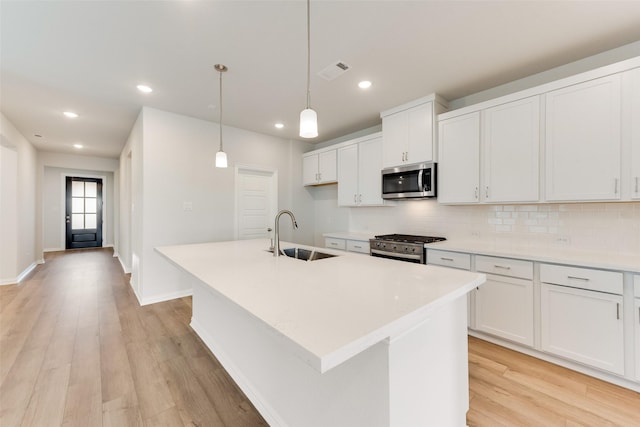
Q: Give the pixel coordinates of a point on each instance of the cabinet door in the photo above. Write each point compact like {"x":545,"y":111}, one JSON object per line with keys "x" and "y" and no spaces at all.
{"x":459,"y":153}
{"x":420,"y":134}
{"x":348,"y":175}
{"x":327,"y":166}
{"x":636,"y":318}
{"x":310,"y":169}
{"x":511,"y":151}
{"x":395,"y":132}
{"x":584,"y":326}
{"x":635,"y":135}
{"x":504,"y":307}
{"x":369,"y":177}
{"x":583,"y":141}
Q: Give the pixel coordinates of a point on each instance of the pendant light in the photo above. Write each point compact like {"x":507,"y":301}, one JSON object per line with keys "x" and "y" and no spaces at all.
{"x":308,"y":117}
{"x":221,"y":156}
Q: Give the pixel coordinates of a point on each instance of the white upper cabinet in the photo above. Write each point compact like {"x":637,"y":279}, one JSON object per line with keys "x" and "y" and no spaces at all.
{"x":511,"y":151}
{"x":319,"y":167}
{"x":499,"y":163}
{"x":583,"y":141}
{"x":459,"y":165}
{"x":633,"y":120}
{"x":359,"y":166}
{"x":409,"y":132}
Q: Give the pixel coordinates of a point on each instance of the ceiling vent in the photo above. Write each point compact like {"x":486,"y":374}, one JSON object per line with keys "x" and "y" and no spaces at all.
{"x":334,"y":70}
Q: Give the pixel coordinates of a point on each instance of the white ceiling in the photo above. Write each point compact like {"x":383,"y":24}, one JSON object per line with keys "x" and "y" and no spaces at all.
{"x":88,"y":56}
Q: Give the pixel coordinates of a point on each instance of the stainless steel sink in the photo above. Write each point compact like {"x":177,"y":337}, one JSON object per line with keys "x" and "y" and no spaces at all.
{"x":306,"y":254}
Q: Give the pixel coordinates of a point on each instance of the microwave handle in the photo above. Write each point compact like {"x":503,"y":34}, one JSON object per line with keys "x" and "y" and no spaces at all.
{"x":420,"y":172}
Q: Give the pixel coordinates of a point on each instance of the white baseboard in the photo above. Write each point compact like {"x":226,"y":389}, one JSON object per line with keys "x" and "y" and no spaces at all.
{"x":53,"y":249}
{"x":122,"y":264}
{"x":165,"y":297}
{"x":21,"y":276}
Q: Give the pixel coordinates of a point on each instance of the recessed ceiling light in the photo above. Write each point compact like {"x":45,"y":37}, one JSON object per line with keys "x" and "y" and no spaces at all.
{"x":70,"y":114}
{"x":279,"y":125}
{"x":144,"y":89}
{"x":78,"y":146}
{"x":365,"y":84}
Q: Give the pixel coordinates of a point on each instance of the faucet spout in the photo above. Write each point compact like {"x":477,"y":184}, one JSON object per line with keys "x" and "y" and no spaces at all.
{"x":276,"y":246}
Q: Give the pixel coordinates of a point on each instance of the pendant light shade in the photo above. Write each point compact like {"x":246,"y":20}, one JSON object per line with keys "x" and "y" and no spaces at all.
{"x":308,"y":117}
{"x":221,"y":159}
{"x":221,"y":156}
{"x":308,"y":123}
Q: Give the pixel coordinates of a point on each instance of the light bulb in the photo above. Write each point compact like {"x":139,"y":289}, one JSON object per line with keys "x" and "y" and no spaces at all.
{"x":221,"y":159}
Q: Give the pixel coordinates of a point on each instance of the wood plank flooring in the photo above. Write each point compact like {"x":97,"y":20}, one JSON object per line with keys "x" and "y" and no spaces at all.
{"x":76,"y":349}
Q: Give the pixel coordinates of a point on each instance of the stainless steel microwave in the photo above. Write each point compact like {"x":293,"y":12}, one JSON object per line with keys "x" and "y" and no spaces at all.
{"x":417,"y":181}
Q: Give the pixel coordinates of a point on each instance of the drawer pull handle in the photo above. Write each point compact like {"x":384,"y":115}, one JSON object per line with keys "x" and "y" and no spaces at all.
{"x":357,"y":247}
{"x":578,"y":278}
{"x":446,"y":259}
{"x":502,"y":266}
{"x":618,"y":311}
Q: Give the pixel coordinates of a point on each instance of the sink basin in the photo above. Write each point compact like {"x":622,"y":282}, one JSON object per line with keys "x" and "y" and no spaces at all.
{"x":306,"y":254}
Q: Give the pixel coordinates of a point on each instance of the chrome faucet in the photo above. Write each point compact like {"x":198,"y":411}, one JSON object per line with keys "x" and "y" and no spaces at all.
{"x":276,"y":249}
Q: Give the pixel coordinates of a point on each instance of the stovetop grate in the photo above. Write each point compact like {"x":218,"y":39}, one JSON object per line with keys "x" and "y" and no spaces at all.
{"x":408,"y":238}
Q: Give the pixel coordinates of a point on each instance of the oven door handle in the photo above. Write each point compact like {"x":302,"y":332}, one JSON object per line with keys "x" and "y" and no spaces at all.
{"x":396,"y":255}
{"x":420,"y":187}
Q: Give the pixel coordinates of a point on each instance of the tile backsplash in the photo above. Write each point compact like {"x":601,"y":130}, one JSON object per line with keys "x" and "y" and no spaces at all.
{"x":610,"y":227}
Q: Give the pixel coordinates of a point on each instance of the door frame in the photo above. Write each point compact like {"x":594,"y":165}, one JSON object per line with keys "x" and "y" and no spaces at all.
{"x":63,"y":204}
{"x":274,"y":190}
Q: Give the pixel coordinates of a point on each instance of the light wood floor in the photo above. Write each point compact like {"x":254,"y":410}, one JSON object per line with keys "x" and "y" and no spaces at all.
{"x":76,"y":349}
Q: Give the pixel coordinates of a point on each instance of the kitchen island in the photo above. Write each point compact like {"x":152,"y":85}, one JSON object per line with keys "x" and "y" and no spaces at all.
{"x":350,"y":340}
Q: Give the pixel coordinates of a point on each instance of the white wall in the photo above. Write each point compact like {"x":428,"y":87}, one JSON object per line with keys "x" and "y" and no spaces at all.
{"x":20,"y":211}
{"x":172,"y":163}
{"x":8,"y":213}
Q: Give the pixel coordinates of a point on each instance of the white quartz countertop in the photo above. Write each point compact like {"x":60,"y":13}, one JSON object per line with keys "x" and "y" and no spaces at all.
{"x":557,"y":255}
{"x":331,"y":309}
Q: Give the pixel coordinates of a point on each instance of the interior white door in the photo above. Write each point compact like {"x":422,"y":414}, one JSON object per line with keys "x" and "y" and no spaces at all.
{"x":256,"y":195}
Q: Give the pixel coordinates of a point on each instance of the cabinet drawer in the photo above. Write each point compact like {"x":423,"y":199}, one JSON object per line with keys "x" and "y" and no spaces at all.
{"x":449,"y":259}
{"x":583,"y":278}
{"x":330,"y":242}
{"x":636,"y":285}
{"x":504,"y":266}
{"x":358,"y":246}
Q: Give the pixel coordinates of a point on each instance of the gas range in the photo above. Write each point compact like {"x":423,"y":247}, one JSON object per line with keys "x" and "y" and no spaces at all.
{"x":404,"y":247}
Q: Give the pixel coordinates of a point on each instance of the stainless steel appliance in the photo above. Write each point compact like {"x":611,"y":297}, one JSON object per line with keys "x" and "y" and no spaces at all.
{"x":402,"y":247}
{"x":417,"y":181}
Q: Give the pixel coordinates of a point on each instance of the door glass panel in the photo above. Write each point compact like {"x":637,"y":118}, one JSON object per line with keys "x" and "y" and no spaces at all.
{"x":90,"y":221}
{"x":77,"y":189}
{"x":91,"y":189}
{"x":77,"y":205}
{"x":77,"y":221}
{"x":90,"y":205}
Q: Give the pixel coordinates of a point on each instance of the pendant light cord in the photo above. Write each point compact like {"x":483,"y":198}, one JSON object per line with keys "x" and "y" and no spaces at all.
{"x":308,"y":55}
{"x":220,"y":106}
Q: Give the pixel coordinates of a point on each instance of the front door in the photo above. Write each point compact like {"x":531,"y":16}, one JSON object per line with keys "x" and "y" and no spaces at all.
{"x":84,"y":212}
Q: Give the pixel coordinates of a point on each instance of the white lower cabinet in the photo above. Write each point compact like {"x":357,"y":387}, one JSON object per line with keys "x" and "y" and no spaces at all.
{"x":636,"y":321}
{"x":504,"y":303}
{"x":581,"y":325}
{"x":346,"y":244}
